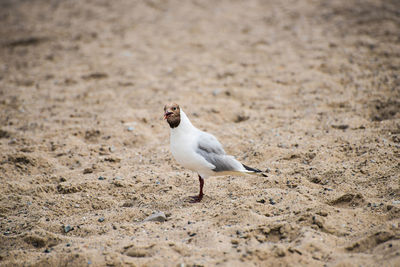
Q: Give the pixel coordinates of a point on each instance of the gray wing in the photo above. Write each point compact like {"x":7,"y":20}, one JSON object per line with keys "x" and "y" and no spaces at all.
{"x":211,"y":150}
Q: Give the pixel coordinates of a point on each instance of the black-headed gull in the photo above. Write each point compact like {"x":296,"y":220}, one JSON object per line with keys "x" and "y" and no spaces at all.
{"x":199,"y":151}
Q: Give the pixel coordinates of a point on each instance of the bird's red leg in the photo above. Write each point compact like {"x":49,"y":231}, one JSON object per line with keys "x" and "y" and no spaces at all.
{"x":201,"y":180}
{"x":200,"y":196}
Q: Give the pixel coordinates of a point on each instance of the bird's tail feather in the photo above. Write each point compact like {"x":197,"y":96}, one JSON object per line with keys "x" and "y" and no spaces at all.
{"x":251,"y":169}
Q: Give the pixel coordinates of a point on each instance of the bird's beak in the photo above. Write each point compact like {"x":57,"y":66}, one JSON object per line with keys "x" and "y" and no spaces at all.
{"x":166,"y":114}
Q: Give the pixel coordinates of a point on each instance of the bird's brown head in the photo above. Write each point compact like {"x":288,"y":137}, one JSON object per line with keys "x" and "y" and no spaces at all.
{"x":172,"y":113}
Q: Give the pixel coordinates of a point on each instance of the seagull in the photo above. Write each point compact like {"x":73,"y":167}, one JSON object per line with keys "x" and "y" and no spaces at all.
{"x":199,"y":151}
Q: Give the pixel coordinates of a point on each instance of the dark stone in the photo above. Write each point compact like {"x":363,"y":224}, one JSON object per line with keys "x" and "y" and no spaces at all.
{"x":68,"y":228}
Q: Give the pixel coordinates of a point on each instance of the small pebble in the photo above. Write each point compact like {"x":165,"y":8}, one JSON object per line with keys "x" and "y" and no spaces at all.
{"x":271,"y":201}
{"x":101,"y":178}
{"x":130,"y":128}
{"x":68,"y":228}
{"x":396,"y":202}
{"x":101,"y":219}
{"x":68,"y":244}
{"x":47,"y":250}
{"x":13,"y":141}
{"x":280,"y":252}
{"x":216,"y":92}
{"x":156,"y":217}
{"x":234,"y":242}
{"x":77,"y":206}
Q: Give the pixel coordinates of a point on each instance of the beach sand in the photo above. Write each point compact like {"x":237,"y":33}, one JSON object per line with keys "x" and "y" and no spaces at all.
{"x":307,"y":91}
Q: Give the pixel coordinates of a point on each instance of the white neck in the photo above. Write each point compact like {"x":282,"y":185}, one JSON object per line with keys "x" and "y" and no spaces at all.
{"x":184,"y":125}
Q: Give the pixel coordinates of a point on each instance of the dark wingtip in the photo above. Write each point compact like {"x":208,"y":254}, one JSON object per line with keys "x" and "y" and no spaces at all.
{"x":251,"y":169}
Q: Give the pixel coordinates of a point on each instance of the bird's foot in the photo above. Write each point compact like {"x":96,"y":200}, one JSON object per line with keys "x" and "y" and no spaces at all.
{"x":195,"y":199}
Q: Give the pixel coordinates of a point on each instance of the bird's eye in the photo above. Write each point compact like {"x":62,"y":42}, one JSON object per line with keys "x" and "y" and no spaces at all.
{"x":174,"y":108}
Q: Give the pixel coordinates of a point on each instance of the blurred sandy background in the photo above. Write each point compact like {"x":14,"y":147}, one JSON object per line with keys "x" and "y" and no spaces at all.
{"x":308,"y":91}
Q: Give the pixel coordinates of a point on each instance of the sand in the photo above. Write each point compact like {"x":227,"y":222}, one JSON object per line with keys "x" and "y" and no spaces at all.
{"x":307,"y":91}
